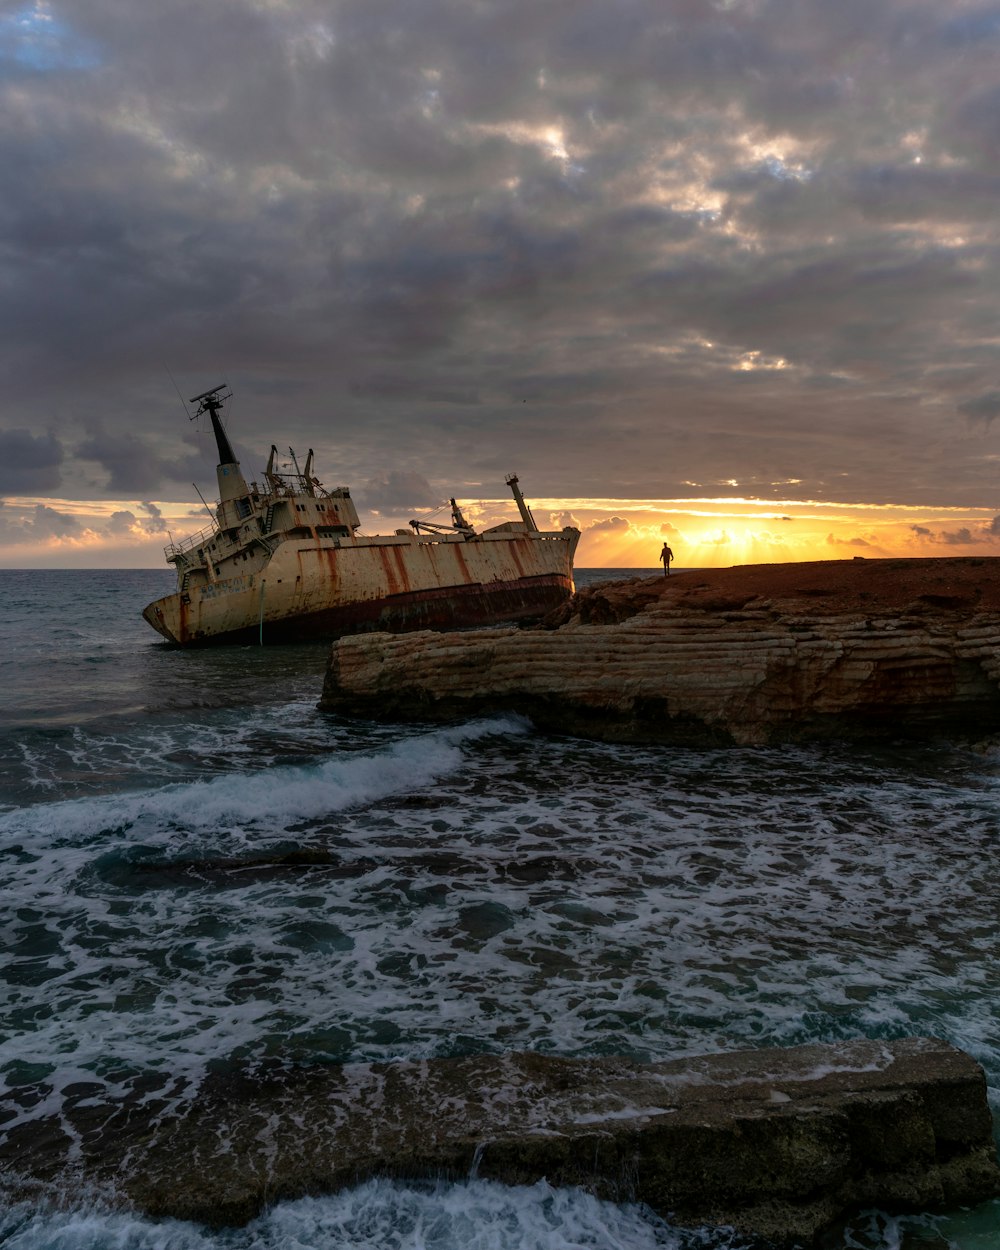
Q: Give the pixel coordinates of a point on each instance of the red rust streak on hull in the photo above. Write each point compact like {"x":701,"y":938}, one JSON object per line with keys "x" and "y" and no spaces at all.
{"x":515,"y":555}
{"x":385,"y":555}
{"x":460,"y":561}
{"x":182,"y":624}
{"x":404,"y":580}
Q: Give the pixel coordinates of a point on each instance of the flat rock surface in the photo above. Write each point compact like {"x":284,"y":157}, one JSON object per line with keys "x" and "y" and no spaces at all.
{"x":830,"y":587}
{"x":778,"y":1143}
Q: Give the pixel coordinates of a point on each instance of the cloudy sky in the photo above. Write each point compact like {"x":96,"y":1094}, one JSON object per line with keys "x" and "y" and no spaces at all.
{"x":721,"y":271}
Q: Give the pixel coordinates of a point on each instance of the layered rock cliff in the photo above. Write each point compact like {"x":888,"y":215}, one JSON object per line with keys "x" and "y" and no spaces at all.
{"x":749,"y":655}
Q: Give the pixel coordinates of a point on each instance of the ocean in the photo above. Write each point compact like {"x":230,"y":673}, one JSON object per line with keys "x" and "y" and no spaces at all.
{"x":509,"y":891}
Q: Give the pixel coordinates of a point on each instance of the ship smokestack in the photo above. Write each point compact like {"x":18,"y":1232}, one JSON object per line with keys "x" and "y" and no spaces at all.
{"x":226,"y":453}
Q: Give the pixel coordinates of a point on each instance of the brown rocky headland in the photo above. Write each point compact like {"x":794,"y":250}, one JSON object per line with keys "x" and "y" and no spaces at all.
{"x":749,"y":655}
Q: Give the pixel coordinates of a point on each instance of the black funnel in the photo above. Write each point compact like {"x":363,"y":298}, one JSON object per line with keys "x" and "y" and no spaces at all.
{"x":226,"y":453}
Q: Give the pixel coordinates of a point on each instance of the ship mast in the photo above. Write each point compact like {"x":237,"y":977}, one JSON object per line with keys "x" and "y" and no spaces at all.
{"x":233,"y":490}
{"x":522,"y":507}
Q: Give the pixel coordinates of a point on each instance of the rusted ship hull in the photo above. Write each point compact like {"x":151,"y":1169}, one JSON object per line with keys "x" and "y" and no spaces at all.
{"x":323,"y":591}
{"x":458,"y":607}
{"x":285,"y":561}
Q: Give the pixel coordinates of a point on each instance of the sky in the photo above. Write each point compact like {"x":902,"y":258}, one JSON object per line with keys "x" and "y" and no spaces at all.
{"x":717,"y":272}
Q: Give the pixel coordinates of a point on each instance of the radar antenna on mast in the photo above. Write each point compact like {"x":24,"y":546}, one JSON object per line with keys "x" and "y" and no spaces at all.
{"x":211,"y":402}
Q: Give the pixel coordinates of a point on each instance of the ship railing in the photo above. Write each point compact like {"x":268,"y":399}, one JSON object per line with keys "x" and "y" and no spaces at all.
{"x":194,"y":540}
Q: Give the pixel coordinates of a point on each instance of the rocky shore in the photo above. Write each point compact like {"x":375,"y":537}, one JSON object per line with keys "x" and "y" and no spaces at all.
{"x":751,"y":655}
{"x":780,"y":1144}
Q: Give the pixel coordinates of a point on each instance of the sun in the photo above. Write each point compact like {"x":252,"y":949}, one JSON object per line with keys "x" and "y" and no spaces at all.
{"x":735,"y":542}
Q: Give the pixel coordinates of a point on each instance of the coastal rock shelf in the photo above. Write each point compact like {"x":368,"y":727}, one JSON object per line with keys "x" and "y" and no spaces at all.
{"x":778,"y":1143}
{"x":752,"y":655}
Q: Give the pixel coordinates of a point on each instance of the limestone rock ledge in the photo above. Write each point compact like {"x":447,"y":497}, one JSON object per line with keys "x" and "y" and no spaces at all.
{"x":778,"y":1143}
{"x":767,"y":655}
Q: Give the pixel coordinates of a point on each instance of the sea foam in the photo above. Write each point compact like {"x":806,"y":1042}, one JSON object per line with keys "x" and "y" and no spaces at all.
{"x":382,"y":1215}
{"x":273,"y":797}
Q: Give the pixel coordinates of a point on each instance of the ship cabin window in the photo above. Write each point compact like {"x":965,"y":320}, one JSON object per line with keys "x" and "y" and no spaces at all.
{"x":332,"y":531}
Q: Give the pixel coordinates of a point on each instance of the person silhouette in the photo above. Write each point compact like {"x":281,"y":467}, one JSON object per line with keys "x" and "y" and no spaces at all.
{"x":666,"y":555}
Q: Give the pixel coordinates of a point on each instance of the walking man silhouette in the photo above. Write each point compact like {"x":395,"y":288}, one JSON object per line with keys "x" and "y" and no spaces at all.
{"x":666,"y":555}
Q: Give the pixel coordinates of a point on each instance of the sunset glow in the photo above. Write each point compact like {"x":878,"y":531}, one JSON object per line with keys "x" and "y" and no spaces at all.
{"x":720,"y":273}
{"x":616,"y":533}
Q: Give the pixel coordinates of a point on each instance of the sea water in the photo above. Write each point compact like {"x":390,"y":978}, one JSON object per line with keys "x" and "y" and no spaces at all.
{"x":499,"y":890}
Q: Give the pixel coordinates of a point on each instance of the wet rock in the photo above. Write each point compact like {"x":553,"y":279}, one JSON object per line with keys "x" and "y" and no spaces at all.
{"x":778,"y":1143}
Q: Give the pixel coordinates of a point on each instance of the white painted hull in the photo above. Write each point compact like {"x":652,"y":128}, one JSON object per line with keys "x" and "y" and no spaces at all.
{"x":327,"y":588}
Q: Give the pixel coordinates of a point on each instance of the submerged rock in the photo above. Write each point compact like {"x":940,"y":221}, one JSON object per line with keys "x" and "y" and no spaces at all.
{"x":751,"y":655}
{"x":778,"y":1143}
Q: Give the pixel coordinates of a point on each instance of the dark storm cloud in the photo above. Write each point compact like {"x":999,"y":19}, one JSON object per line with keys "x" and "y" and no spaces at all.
{"x":29,"y":463}
{"x":121,"y":523}
{"x":962,"y":537}
{"x":399,"y":490}
{"x":153,"y":522}
{"x":404,"y":387}
{"x":959,"y":538}
{"x":125,"y":522}
{"x":127,"y":461}
{"x":46,"y":521}
{"x":982,"y":407}
{"x":130,"y":462}
{"x":39,"y":523}
{"x":623,"y":246}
